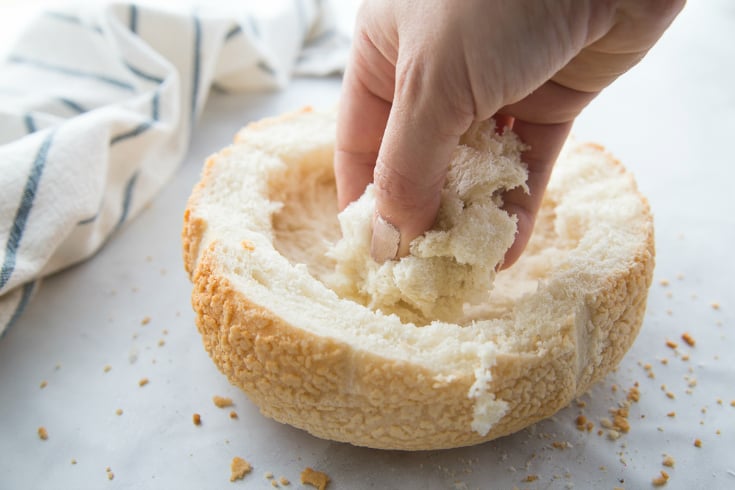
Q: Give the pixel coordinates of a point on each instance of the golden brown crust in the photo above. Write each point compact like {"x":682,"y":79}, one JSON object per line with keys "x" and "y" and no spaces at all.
{"x":336,"y":391}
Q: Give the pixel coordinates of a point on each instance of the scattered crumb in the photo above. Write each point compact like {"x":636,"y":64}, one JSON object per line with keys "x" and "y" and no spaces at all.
{"x":268,"y":475}
{"x":685,"y":357}
{"x":715,"y":305}
{"x":43,"y":384}
{"x":697,"y":443}
{"x":146,"y":320}
{"x":110,"y":474}
{"x":581,"y":403}
{"x":580,"y":422}
{"x":233,"y":414}
{"x":42,"y":433}
{"x":670,"y":395}
{"x":686,"y":337}
{"x":73,"y":461}
{"x":560,"y":445}
{"x":118,"y":411}
{"x":634,"y":394}
{"x":284,"y":481}
{"x":161,"y":343}
{"x":316,"y":479}
{"x":664,"y":361}
{"x":671,"y":344}
{"x":107,"y":368}
{"x":222,"y":402}
{"x":671,"y":414}
{"x":239,"y":468}
{"x":719,"y":401}
{"x":661,"y":480}
{"x":530,"y":478}
{"x":165,"y":331}
{"x":664,"y":282}
{"x":668,"y":461}
{"x":143,"y":382}
{"x":197,"y":419}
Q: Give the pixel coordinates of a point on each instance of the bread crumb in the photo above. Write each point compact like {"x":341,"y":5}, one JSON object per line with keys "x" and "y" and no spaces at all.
{"x":118,"y":411}
{"x":161,"y":343}
{"x":664,"y":282}
{"x":73,"y":461}
{"x":719,"y":401}
{"x":143,"y":382}
{"x":671,"y":414}
{"x":284,"y":481}
{"x":316,"y":479}
{"x":165,"y":331}
{"x":239,"y":468}
{"x":196,"y":419}
{"x":613,"y":435}
{"x":661,"y":480}
{"x":634,"y":394}
{"x":560,"y":445}
{"x":43,"y":384}
{"x":110,"y":475}
{"x":732,"y":403}
{"x":222,"y":402}
{"x":685,"y":357}
{"x":233,"y":414}
{"x":715,"y":305}
{"x":107,"y":368}
{"x":664,"y":361}
{"x":530,"y":478}
{"x":274,"y":484}
{"x":670,"y":395}
{"x":671,"y":344}
{"x":668,"y":461}
{"x":580,"y":422}
{"x":146,"y":320}
{"x":697,"y":443}
{"x":686,"y":337}
{"x":42,"y":433}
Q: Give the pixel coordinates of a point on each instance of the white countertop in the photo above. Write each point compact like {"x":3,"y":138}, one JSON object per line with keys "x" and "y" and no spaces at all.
{"x":671,"y":121}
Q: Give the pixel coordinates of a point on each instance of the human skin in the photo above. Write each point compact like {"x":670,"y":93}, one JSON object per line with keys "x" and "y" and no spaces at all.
{"x":422,"y":71}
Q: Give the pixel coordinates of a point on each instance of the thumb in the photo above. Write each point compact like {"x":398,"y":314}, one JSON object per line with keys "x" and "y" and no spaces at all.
{"x":411,"y":167}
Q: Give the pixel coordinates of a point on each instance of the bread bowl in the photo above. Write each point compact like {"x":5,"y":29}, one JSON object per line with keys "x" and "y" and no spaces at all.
{"x":257,"y":232}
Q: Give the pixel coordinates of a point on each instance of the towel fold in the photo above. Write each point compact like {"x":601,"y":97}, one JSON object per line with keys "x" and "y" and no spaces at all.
{"x":97,"y":106}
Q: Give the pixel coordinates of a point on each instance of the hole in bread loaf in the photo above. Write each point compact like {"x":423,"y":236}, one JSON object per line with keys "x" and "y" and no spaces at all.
{"x":306,"y":226}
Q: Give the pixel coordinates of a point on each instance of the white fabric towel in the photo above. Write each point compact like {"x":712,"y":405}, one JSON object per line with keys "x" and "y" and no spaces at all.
{"x":97,"y":105}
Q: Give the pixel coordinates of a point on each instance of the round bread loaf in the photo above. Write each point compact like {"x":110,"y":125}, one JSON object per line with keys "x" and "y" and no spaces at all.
{"x":259,"y":239}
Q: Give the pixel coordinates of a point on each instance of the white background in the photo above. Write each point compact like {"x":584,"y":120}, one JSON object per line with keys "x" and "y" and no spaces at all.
{"x":671,"y":120}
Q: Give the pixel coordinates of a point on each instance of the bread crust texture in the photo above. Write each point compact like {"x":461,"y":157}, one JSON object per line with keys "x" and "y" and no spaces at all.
{"x":256,"y":231}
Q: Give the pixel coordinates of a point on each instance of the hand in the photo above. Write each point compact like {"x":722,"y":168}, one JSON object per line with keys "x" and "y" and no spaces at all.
{"x":422,"y":71}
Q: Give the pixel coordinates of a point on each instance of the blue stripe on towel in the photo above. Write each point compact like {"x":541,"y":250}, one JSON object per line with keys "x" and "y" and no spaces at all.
{"x":145,"y":76}
{"x":86,"y":221}
{"x":155,"y":105}
{"x":139,"y":129}
{"x":196,"y":67}
{"x":127,"y":199}
{"x":72,"y":19}
{"x":72,"y":72}
{"x":133,"y":18}
{"x":265,"y":67}
{"x":20,"y":307}
{"x":30,"y":123}
{"x":24,"y":209}
{"x":233,"y":32}
{"x":72,"y":105}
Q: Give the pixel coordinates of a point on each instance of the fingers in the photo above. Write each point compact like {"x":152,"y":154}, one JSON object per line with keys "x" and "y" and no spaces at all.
{"x":545,"y":141}
{"x":420,"y":136}
{"x":361,"y":122}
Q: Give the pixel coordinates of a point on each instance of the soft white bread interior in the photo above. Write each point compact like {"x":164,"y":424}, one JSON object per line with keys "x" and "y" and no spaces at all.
{"x":454,"y":263}
{"x":257,"y":236}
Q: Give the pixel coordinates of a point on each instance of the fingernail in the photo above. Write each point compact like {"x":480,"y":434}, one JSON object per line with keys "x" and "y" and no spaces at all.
{"x":385,"y":242}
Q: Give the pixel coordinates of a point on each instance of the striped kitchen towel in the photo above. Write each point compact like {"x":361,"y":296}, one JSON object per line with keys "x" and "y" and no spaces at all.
{"x":97,"y":105}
